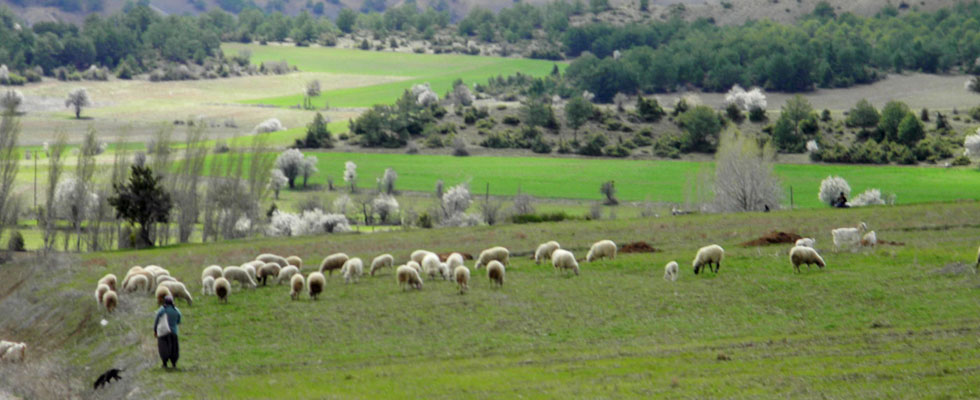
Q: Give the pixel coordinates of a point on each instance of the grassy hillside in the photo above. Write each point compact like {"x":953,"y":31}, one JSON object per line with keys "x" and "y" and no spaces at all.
{"x":897,"y":321}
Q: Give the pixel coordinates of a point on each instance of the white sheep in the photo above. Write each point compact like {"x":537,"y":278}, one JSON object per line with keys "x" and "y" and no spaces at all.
{"x":601,"y":249}
{"x":222,"y":289}
{"x":295,"y":261}
{"x":100,"y":291}
{"x":670,"y":271}
{"x":110,"y":300}
{"x":805,"y":255}
{"x":178,"y":291}
{"x":12,"y":352}
{"x":133,"y":271}
{"x":462,"y":275}
{"x":164,"y":278}
{"x":708,"y":255}
{"x":156,"y":270}
{"x":408,"y":277}
{"x":414,"y":265}
{"x":869,"y":239}
{"x":454,"y":260}
{"x":495,"y":271}
{"x":250,"y":268}
{"x":432,"y":266}
{"x":162,"y":292}
{"x":848,"y":237}
{"x":384,"y":260}
{"x":296,"y":285}
{"x":272,"y":258}
{"x":563,"y":260}
{"x":214,"y":271}
{"x":332,"y":262}
{"x":286,"y":274}
{"x":316,"y":282}
{"x":238,"y":274}
{"x":494,"y":253}
{"x":109,"y":280}
{"x":269,"y":270}
{"x":418,"y":255}
{"x":352,"y":270}
{"x":4,"y":346}
{"x":806,"y":242}
{"x":544,"y":251}
{"x":207,"y":286}
{"x":136,"y":282}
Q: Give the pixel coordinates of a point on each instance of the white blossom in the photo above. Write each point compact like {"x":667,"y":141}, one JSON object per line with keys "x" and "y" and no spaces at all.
{"x":831,"y":188}
{"x":811,"y":146}
{"x":870,"y":197}
{"x":70,"y":201}
{"x":972,"y":144}
{"x":385,"y":206}
{"x":457,"y":199}
{"x":269,"y":125}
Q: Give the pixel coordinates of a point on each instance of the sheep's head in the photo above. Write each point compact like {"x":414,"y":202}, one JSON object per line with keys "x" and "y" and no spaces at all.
{"x":863,"y":227}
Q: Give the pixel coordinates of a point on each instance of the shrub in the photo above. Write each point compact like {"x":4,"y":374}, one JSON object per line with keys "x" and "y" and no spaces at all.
{"x":831,"y":187}
{"x":702,"y":127}
{"x":870,"y":197}
{"x":961,"y":161}
{"x":668,"y":146}
{"x":557,"y":216}
{"x":933,"y":148}
{"x":16,"y":242}
{"x":594,"y":145}
{"x":649,"y":110}
{"x":541,"y":146}
{"x":617,"y":150}
{"x":512,"y":120}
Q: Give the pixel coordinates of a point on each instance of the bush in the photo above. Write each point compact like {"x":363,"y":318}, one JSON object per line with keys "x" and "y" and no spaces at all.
{"x":831,"y":187}
{"x":617,"y":150}
{"x":557,"y":216}
{"x":649,"y":110}
{"x":16,"y":242}
{"x":734,"y":113}
{"x":497,"y":141}
{"x":757,"y":114}
{"x":512,"y":120}
{"x":702,"y":127}
{"x":668,"y":146}
{"x":594,"y":145}
{"x":961,"y":161}
{"x":541,"y":146}
{"x":933,"y":149}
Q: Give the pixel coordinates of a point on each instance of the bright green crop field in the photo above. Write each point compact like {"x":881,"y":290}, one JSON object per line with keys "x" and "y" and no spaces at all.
{"x":439,"y":70}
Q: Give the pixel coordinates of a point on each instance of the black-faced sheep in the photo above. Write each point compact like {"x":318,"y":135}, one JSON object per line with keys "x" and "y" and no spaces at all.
{"x":564,"y":260}
{"x":805,"y":255}
{"x":408,"y":277}
{"x":316,"y":282}
{"x":494,"y":253}
{"x":382,"y":261}
{"x":332,"y":262}
{"x":601,"y":249}
{"x":269,"y":270}
{"x":222,"y":289}
{"x":544,"y":251}
{"x":495,"y":271}
{"x":670,"y":271}
{"x":708,"y":256}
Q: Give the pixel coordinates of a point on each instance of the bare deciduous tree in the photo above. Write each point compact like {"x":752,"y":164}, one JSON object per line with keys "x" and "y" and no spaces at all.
{"x":77,"y":99}
{"x":608,"y":189}
{"x":744,"y":179}
{"x":187,"y":182}
{"x":47,"y":216}
{"x":523,"y":203}
{"x":9,"y":163}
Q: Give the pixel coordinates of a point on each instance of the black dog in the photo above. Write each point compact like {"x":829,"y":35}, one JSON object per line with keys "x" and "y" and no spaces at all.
{"x":107,"y":377}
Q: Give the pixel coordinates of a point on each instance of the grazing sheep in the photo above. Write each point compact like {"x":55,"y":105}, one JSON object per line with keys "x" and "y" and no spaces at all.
{"x":238,"y":274}
{"x":296,"y":285}
{"x":214,"y":271}
{"x":869,"y":239}
{"x":222,"y":288}
{"x":207,"y":286}
{"x":414,"y":265}
{"x":164,"y":278}
{"x":494,"y":253}
{"x":806,"y":242}
{"x":544,"y":251}
{"x":110,"y":300}
{"x":332,"y":262}
{"x":156,"y":270}
{"x":162,"y":292}
{"x":495,"y":271}
{"x":384,"y":260}
{"x":670,"y":271}
{"x":250,"y":269}
{"x":100,"y":291}
{"x":179,"y":291}
{"x":109,"y":280}
{"x":708,"y":255}
{"x":418,"y":255}
{"x":352,"y":270}
{"x":12,"y":352}
{"x":805,"y":255}
{"x":408,"y":277}
{"x":272,"y":258}
{"x":268,"y":270}
{"x":295,"y":261}
{"x":136,"y":282}
{"x":848,"y":237}
{"x":4,"y":346}
{"x":601,"y":249}
{"x":454,"y":260}
{"x":286,"y":274}
{"x":316,"y":282}
{"x":462,"y":275}
{"x":432,"y":266}
{"x":563,"y":259}
{"x":133,"y":271}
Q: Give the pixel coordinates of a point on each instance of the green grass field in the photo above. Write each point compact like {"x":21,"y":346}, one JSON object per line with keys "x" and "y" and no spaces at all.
{"x":438,"y":70}
{"x":892,"y":322}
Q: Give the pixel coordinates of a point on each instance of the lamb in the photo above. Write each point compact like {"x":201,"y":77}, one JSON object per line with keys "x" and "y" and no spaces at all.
{"x":806,"y":242}
{"x":295,"y":261}
{"x":286,"y":274}
{"x":545,"y":250}
{"x":384,"y":260}
{"x":214,"y":271}
{"x":296,"y":285}
{"x":238,"y":274}
{"x":495,"y":271}
{"x":110,"y":300}
{"x":101,"y":291}
{"x":207,"y":286}
{"x":268,"y":270}
{"x":408,"y":277}
{"x":670,"y":271}
{"x":14,"y":352}
{"x":563,"y":259}
{"x":418,"y":255}
{"x":222,"y":288}
{"x":494,"y":253}
{"x":352,"y":270}
{"x":332,"y":262}
{"x":316,"y":282}
{"x":805,"y":255}
{"x":272,"y":258}
{"x":454,"y":260}
{"x":162,"y":292}
{"x":432,"y":266}
{"x":136,"y":282}
{"x":109,"y":280}
{"x":462,"y":275}
{"x":601,"y":249}
{"x":178,"y":291}
{"x":708,"y":255}
{"x":869,"y":239}
{"x":848,"y":237}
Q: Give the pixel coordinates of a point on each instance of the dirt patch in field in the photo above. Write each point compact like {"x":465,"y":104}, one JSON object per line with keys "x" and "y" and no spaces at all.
{"x":891,"y":243}
{"x":774,"y":237}
{"x":956,"y":268}
{"x":445,"y":256}
{"x":638,"y":247}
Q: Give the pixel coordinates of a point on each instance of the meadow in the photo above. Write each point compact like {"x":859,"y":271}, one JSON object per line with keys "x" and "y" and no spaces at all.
{"x":896,"y":321}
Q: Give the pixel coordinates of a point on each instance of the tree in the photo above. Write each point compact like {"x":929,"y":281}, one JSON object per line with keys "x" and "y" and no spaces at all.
{"x":47,"y":217}
{"x":796,"y":120}
{"x":649,"y":110}
{"x":702,"y":127}
{"x":346,"y":20}
{"x":462,"y":96}
{"x":350,"y":175}
{"x":863,"y":115}
{"x":317,"y":135}
{"x":308,"y":168}
{"x":910,"y":130}
{"x":387,"y":182}
{"x":277,"y":181}
{"x":891,"y":116}
{"x":312,"y":91}
{"x":577,"y":111}
{"x":142,"y":200}
{"x":744,"y":178}
{"x":608,"y":189}
{"x":290,"y":162}
{"x":9,"y":164}
{"x":77,"y":99}
{"x":538,"y":112}
{"x":10,"y":101}
{"x":385,"y":206}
